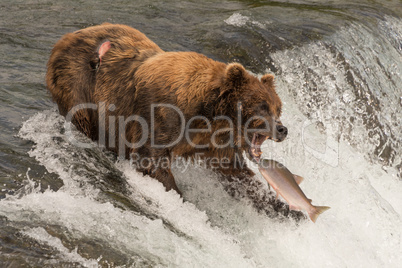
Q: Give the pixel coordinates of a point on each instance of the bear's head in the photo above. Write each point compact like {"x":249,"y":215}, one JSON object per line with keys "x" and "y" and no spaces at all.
{"x":258,"y":105}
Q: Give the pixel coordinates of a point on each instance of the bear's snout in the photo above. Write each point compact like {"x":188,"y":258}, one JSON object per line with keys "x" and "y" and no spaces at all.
{"x":281,"y":132}
{"x":282,"y":129}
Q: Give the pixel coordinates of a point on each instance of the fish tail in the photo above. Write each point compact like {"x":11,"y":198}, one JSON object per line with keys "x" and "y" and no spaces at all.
{"x":313,"y":214}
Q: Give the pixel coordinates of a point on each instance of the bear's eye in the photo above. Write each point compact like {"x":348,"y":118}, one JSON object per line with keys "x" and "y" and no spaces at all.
{"x":264,"y":106}
{"x":263,"y":109}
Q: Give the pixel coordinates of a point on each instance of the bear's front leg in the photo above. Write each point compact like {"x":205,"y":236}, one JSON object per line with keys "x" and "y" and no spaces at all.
{"x":165,"y":176}
{"x":238,"y":182}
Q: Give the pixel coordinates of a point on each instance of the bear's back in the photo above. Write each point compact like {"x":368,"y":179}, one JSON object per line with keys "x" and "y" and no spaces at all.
{"x":188,"y":76}
{"x":73,"y":65}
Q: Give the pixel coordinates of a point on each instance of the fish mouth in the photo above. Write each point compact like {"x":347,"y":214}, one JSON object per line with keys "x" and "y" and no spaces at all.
{"x":255,"y":147}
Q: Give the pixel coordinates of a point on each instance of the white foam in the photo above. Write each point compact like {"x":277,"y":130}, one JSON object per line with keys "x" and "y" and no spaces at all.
{"x":239,"y":20}
{"x":128,"y":232}
{"x":76,"y":206}
{"x":40,"y":235}
{"x":320,"y":77}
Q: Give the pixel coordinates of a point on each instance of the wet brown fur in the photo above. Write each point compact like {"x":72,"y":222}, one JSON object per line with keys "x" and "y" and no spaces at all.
{"x":135,"y":73}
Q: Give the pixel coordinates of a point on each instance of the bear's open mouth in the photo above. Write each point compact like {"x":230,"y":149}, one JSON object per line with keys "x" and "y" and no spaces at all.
{"x":255,"y":147}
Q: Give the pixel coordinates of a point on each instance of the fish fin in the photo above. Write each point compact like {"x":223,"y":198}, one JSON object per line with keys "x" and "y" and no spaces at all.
{"x":298,"y":179}
{"x":316,"y":212}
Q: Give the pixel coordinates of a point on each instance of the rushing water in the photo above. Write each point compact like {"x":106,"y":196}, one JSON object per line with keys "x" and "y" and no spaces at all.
{"x":338,"y":69}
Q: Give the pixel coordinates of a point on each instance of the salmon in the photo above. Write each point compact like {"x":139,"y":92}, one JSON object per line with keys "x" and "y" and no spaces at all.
{"x":286,"y":184}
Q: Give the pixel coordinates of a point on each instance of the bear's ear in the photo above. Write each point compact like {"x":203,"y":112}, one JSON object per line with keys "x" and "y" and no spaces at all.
{"x":103,"y":48}
{"x":268,"y":80}
{"x":235,"y":74}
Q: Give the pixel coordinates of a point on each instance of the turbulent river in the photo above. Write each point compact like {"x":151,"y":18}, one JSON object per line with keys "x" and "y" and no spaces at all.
{"x":338,"y":68}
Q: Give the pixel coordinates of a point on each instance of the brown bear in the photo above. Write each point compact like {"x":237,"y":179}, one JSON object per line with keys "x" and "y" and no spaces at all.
{"x":153,"y":105}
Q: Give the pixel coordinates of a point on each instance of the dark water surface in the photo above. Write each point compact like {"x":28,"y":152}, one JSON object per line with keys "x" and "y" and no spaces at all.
{"x":338,"y":66}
